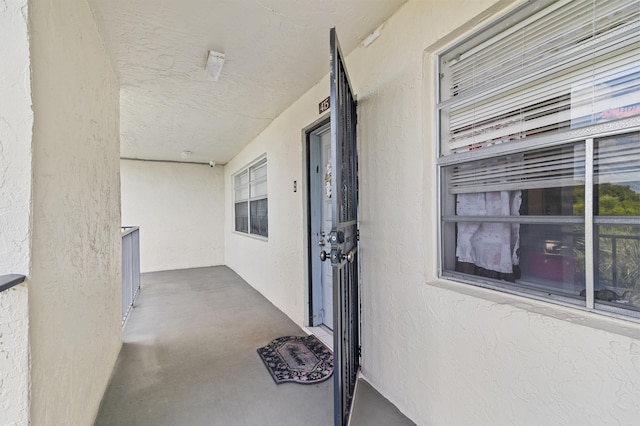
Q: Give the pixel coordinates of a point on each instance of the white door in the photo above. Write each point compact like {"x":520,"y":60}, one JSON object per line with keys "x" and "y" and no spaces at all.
{"x":321,"y":222}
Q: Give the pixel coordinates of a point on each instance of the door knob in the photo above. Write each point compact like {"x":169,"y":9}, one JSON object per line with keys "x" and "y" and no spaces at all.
{"x":349,"y":257}
{"x":323,"y":255}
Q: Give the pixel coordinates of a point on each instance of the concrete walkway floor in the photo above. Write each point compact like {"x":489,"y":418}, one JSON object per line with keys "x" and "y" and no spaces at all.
{"x":189,"y":358}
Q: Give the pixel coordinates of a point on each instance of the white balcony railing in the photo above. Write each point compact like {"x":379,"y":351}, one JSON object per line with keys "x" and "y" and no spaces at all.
{"x":130,"y":268}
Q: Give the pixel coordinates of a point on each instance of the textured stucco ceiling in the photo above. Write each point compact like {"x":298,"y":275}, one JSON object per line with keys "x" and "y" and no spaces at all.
{"x":274,"y":50}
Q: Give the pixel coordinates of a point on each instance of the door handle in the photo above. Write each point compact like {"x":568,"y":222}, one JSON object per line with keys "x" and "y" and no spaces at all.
{"x":350,"y":257}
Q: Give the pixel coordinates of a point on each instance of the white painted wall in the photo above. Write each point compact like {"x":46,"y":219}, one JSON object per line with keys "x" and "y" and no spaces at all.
{"x":180,"y":210}
{"x":276,"y":267}
{"x":444,"y":353}
{"x":14,"y":356}
{"x":16,"y":121}
{"x":75,"y":280}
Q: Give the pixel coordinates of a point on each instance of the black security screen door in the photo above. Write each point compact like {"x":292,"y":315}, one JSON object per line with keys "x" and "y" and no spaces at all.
{"x":344,"y":235}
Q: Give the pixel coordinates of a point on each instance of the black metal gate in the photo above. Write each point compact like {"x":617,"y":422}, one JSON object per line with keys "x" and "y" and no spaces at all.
{"x":344,"y":235}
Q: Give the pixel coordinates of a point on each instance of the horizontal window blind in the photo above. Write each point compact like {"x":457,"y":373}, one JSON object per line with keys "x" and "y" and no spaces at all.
{"x":241,"y":186}
{"x":259,"y":180}
{"x":617,"y":160}
{"x":549,"y":168}
{"x":570,"y":65}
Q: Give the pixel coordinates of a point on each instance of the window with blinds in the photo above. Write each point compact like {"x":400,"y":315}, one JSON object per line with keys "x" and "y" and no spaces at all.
{"x":539,"y":154}
{"x":568,"y":65}
{"x":250,"y":199}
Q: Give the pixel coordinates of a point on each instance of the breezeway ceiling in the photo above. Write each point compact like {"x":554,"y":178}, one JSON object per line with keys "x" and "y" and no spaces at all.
{"x":274,"y":50}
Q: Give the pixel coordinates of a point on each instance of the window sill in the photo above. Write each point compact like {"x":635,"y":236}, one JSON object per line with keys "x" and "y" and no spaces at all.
{"x":254,"y":236}
{"x":611,"y":322}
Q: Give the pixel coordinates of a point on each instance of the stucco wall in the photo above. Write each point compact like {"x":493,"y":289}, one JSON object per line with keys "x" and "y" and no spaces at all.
{"x":180,"y":211}
{"x":444,"y":353}
{"x":16,"y":121}
{"x":14,"y":357}
{"x":276,"y":267}
{"x":75,"y":283}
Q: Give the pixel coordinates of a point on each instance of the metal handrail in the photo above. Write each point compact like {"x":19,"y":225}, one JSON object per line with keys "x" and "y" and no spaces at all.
{"x":614,"y":253}
{"x":130,"y":268}
{"x":11,"y":280}
{"x":126,"y":230}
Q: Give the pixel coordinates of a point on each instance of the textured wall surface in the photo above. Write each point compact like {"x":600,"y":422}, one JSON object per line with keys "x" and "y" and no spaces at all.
{"x":277,"y":267}
{"x":444,"y":353}
{"x":75,"y":285}
{"x":180,"y":211}
{"x":16,"y":121}
{"x":274,"y":51}
{"x":14,"y":357}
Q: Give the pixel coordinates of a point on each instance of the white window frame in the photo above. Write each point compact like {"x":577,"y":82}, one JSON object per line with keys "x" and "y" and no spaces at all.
{"x":586,"y":135}
{"x":248,"y":188}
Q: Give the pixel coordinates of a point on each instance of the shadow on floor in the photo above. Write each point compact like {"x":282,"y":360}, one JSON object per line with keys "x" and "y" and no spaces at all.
{"x":189,"y":358}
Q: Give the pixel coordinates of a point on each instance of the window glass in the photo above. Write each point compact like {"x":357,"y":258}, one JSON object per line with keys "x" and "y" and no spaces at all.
{"x":259,"y":171}
{"x":259,"y":223}
{"x":241,"y":186}
{"x":258,"y":189}
{"x":250,"y":197}
{"x":552,"y":258}
{"x":538,"y":116}
{"x":242,"y":193}
{"x":617,"y":176}
{"x":512,"y":244}
{"x":551,"y":72}
{"x":242,"y":178}
{"x":242,"y":217}
{"x":617,"y":196}
{"x":552,"y":178}
{"x":617,"y":269}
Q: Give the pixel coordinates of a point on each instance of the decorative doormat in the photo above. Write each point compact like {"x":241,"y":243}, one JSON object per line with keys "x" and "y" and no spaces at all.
{"x":297,"y":359}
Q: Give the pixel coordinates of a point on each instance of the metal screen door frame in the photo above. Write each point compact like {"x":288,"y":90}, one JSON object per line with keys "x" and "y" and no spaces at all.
{"x":344,"y":235}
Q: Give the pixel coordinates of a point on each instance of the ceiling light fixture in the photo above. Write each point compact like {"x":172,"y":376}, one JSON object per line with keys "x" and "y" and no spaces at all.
{"x":214,"y":65}
{"x":373,"y":36}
